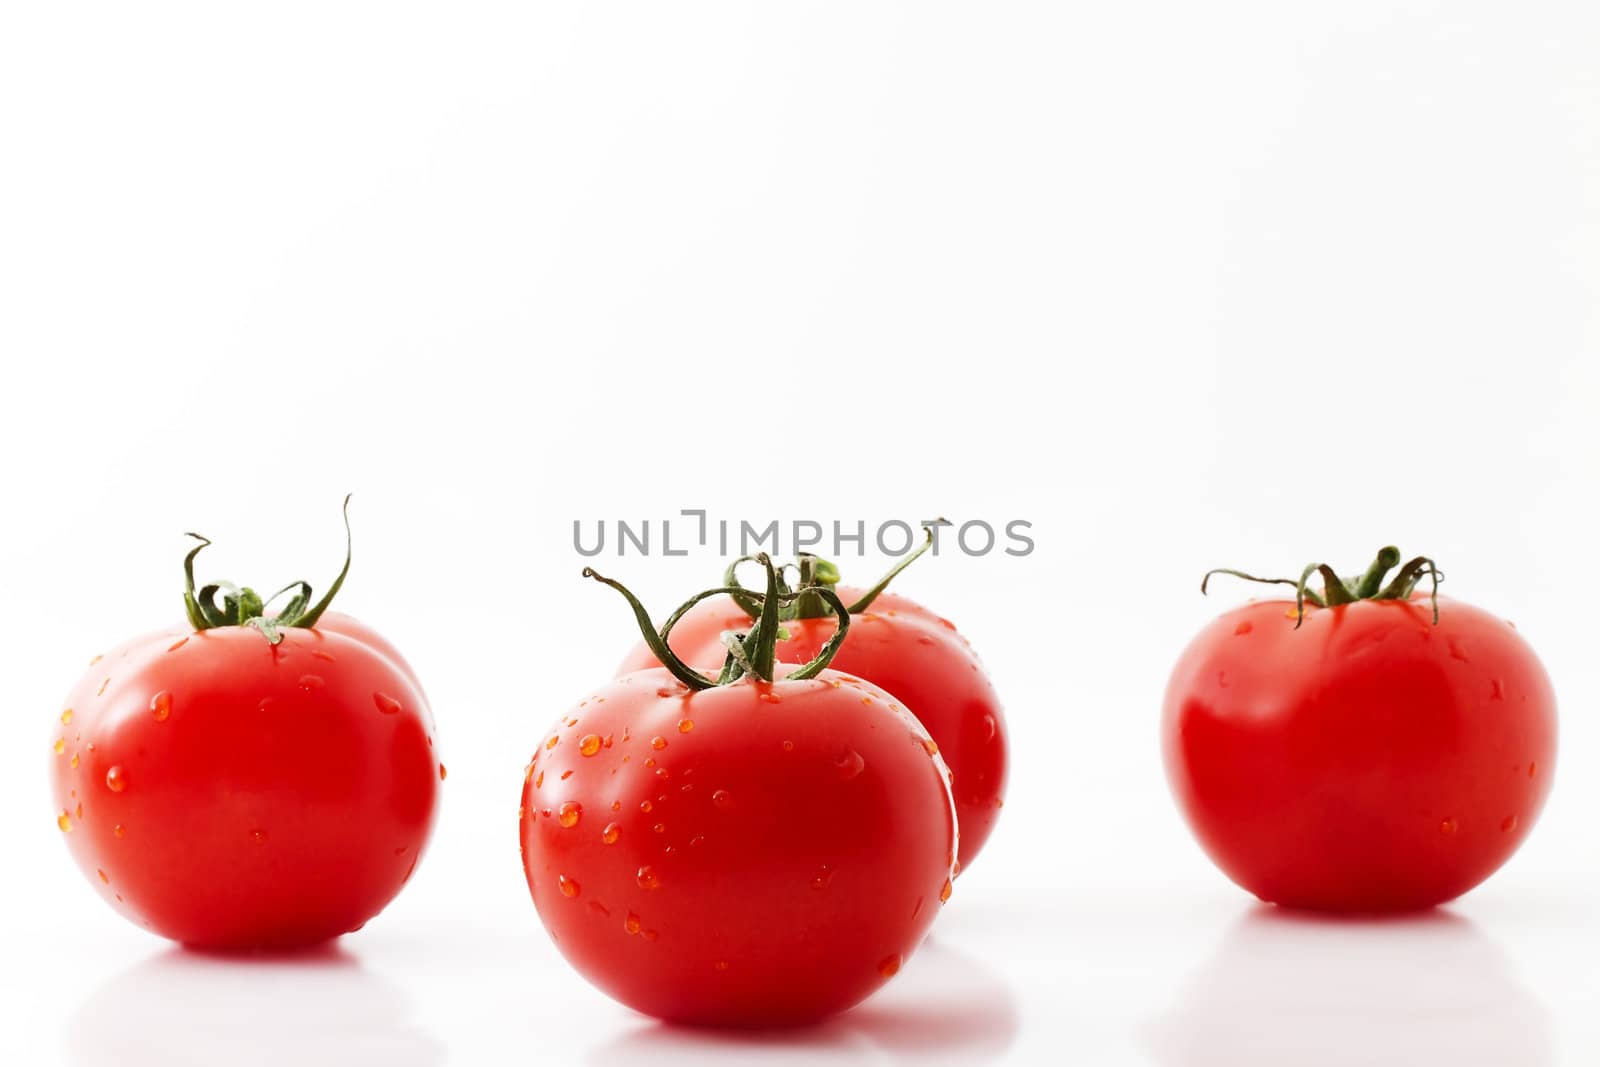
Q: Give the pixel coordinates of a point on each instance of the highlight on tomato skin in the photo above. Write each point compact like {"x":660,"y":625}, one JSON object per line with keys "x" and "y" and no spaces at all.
{"x":761,"y":849}
{"x":897,"y":644}
{"x":1367,"y":748}
{"x":258,"y":779}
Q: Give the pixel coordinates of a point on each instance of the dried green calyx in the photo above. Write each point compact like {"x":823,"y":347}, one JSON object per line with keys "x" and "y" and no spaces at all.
{"x":1366,"y":586}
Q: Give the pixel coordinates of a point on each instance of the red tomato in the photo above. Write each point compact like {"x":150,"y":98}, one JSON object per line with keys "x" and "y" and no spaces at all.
{"x":760,"y":853}
{"x":910,"y":652}
{"x":230,"y":792}
{"x":1371,"y":759}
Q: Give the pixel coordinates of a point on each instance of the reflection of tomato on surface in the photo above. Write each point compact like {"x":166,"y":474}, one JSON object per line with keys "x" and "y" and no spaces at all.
{"x":764,"y":850}
{"x":1370,"y":748}
{"x":1295,"y":989}
{"x":895,"y":643}
{"x":252,"y":780}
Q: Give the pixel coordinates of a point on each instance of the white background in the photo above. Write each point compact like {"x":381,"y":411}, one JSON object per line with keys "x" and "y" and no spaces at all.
{"x":1185,"y":285}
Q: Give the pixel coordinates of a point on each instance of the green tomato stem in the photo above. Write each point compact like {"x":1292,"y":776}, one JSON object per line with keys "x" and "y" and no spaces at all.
{"x":243,"y":606}
{"x":1337,"y":591}
{"x":751,"y":653}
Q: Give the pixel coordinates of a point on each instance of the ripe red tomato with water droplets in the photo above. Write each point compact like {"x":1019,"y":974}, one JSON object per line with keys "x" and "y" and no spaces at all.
{"x":248,"y":781}
{"x":763,"y":852}
{"x":1387,"y":753}
{"x":912,"y":653}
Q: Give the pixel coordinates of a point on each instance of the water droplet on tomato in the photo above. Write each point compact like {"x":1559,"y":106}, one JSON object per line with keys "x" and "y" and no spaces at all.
{"x":60,"y":746}
{"x":116,"y":781}
{"x":550,"y":744}
{"x":721,"y":798}
{"x":929,"y":745}
{"x":179,"y":643}
{"x":74,"y":763}
{"x":66,"y":717}
{"x":258,"y":836}
{"x":788,"y":746}
{"x":631,"y":923}
{"x":443,"y":774}
{"x":660,"y":827}
{"x":645,"y":806}
{"x":658,"y":743}
{"x":1243,"y":628}
{"x":102,"y":690}
{"x":721,"y":965}
{"x":569,"y":814}
{"x":64,"y":822}
{"x":1497,"y":691}
{"x":1447,"y":827}
{"x":889,"y":966}
{"x":1533,"y":769}
{"x":589,"y":744}
{"x":565,"y":775}
{"x":849,"y":764}
{"x":771,"y":698}
{"x":317,"y":653}
{"x":312,"y":682}
{"x":1508,"y":824}
{"x":647,"y":878}
{"x":610,"y":834}
{"x":102,"y":875}
{"x":386,"y":704}
{"x":119,"y":830}
{"x":161,"y":706}
{"x":944,"y":894}
{"x":820,"y":880}
{"x":569,"y":888}
{"x":78,"y":813}
{"x":685,"y":725}
{"x":538,"y":783}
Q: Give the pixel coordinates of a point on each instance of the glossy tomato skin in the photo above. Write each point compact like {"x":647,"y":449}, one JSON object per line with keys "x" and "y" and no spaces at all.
{"x":232,"y":794}
{"x":908,"y":651}
{"x":760,"y":854}
{"x":1368,"y":762}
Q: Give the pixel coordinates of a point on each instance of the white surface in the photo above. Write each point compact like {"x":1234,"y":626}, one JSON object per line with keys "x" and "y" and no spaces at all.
{"x":1174,"y":980}
{"x":1315,"y":279}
